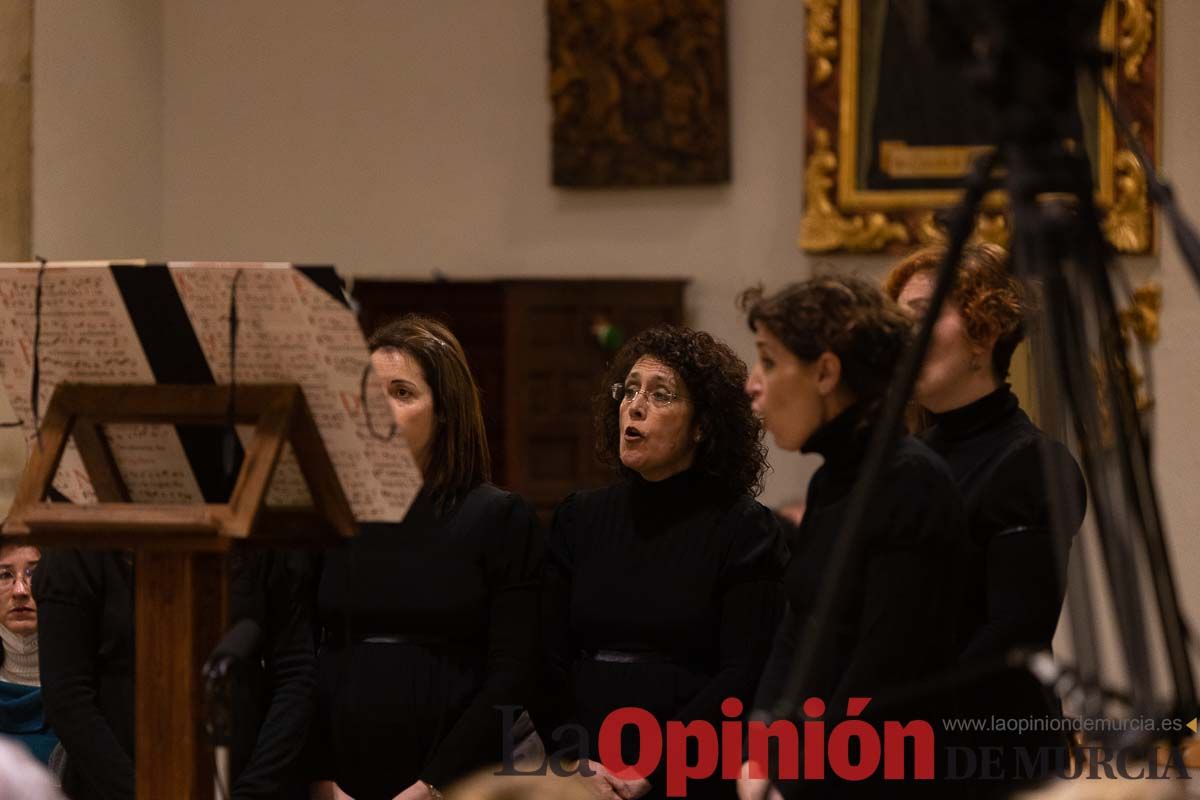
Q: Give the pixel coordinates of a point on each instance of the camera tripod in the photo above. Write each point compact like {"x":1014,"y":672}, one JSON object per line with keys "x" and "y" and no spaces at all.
{"x":1030,"y":77}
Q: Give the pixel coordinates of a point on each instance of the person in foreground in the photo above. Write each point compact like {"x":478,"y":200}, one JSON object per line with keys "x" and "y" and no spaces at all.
{"x":826,"y":351}
{"x":662,"y":590}
{"x":430,"y":624}
{"x":999,"y":459}
{"x":86,"y":642}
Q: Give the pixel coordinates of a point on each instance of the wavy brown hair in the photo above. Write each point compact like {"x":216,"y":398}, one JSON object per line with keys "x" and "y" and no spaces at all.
{"x":731,"y":451}
{"x":843,"y":315}
{"x":991,"y":300}
{"x":458,"y":455}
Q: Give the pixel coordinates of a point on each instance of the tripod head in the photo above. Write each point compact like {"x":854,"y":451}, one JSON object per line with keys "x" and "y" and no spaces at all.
{"x":1023,"y":56}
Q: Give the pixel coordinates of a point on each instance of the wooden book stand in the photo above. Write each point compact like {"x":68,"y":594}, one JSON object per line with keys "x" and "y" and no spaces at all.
{"x":181,"y":572}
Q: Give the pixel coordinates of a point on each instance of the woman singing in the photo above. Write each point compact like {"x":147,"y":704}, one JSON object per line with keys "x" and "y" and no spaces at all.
{"x":662,"y":590}
{"x":826,"y":351}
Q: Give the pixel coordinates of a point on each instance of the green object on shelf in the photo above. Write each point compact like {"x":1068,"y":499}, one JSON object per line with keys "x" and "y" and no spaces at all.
{"x":608,"y":336}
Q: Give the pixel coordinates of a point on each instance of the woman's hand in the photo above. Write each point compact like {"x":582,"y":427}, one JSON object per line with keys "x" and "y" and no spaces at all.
{"x":749,"y":788}
{"x":327,"y":790}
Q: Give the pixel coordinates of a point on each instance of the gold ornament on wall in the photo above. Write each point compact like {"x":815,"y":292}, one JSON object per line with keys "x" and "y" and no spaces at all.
{"x":990,"y":227}
{"x":823,"y":228}
{"x":1128,"y":222}
{"x":1137,"y":31}
{"x":1140,"y":319}
{"x":888,"y":173}
{"x":821,"y":38}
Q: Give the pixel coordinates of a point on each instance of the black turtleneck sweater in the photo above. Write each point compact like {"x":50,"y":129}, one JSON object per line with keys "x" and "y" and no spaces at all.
{"x":1015,"y":587}
{"x":896,"y":624}
{"x":428,"y":626}
{"x":674,"y":571}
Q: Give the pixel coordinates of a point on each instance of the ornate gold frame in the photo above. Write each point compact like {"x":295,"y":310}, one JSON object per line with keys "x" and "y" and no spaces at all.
{"x":840,"y":216}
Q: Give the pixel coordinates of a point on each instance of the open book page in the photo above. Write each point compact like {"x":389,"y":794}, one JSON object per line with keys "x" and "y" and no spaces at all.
{"x":290,"y":330}
{"x":86,"y":336}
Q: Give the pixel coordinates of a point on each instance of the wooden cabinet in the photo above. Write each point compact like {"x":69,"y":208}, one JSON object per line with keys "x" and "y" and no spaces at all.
{"x":537,"y":360}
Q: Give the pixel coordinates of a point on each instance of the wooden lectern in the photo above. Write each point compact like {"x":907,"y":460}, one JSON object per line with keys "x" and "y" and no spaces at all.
{"x":181,"y":569}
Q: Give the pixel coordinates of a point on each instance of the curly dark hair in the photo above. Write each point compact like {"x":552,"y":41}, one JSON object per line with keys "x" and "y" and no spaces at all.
{"x":732,"y":451}
{"x":839,"y":314}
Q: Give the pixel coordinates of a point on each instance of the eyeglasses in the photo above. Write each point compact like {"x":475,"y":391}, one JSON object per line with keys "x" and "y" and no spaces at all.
{"x":659,"y":398}
{"x":8,"y":577}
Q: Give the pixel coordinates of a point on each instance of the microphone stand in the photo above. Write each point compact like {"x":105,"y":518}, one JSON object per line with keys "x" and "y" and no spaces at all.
{"x":238,"y":647}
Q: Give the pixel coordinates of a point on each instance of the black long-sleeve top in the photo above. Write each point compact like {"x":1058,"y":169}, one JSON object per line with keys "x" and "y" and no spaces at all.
{"x":429,"y":625}
{"x":675,"y":572}
{"x":86,"y":658}
{"x":1016,"y":586}
{"x":897,"y":623}
{"x":86,"y":648}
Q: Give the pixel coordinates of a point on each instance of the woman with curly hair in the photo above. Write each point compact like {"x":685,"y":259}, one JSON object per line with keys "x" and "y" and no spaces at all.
{"x":662,"y":590}
{"x":826,"y":351}
{"x":991,"y":445}
{"x":997,"y":456}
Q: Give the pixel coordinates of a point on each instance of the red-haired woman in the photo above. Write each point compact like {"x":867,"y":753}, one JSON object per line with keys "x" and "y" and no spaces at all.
{"x":991,"y":445}
{"x":997,"y":456}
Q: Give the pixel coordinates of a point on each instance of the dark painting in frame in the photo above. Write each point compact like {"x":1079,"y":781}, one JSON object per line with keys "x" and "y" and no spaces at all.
{"x":879,"y":165}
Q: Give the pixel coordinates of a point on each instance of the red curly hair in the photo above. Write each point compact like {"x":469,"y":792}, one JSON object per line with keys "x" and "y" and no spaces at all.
{"x":992,"y":301}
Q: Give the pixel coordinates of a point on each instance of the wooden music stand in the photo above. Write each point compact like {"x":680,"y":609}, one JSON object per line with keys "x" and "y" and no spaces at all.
{"x":181,"y":569}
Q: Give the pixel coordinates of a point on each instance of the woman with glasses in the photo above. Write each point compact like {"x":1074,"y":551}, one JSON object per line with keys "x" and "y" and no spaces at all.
{"x":662,"y":590}
{"x":826,"y":351}
{"x":21,"y":715}
{"x":429,"y":625}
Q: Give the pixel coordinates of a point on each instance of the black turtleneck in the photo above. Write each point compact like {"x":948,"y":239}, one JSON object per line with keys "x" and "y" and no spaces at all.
{"x":676,"y":571}
{"x":995,"y":453}
{"x":429,"y":626}
{"x":896,"y":622}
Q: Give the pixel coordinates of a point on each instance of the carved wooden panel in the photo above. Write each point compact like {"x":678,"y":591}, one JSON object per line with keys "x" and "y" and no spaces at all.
{"x":639,"y":92}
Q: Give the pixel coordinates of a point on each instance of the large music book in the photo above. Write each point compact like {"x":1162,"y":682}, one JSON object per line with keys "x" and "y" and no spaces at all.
{"x":132,"y":322}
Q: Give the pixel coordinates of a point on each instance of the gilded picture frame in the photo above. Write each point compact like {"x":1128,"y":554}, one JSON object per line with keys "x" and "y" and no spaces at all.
{"x":844,"y":212}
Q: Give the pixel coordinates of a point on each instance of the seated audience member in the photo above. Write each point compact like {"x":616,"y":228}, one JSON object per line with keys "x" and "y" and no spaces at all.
{"x":21,"y":715}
